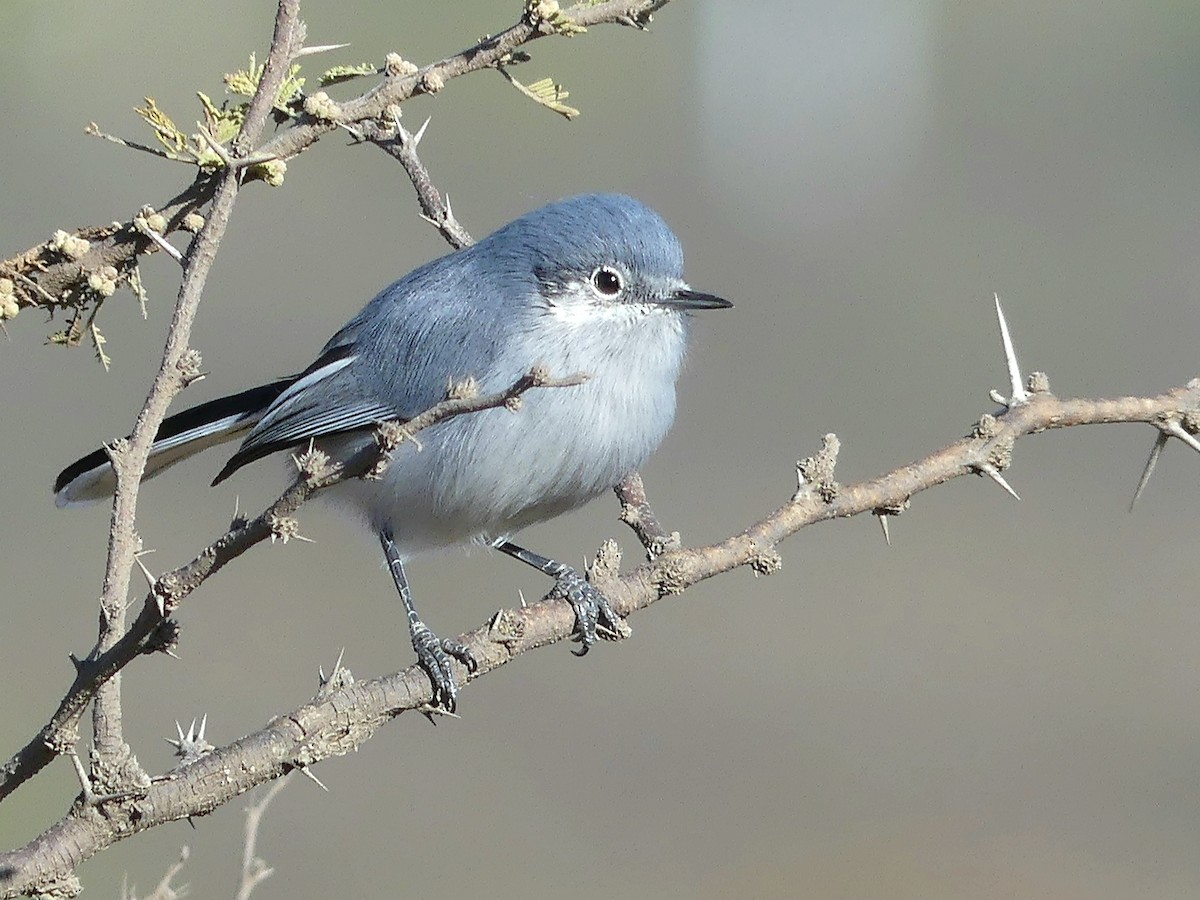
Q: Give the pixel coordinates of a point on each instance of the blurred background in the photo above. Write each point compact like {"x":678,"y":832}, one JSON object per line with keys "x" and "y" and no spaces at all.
{"x":1004,"y":703}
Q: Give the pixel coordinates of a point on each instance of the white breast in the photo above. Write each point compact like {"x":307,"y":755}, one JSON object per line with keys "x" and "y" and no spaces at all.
{"x":489,"y":474}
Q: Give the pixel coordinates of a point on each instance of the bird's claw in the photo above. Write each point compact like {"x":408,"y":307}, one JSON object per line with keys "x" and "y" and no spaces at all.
{"x":434,"y":653}
{"x":594,"y":614}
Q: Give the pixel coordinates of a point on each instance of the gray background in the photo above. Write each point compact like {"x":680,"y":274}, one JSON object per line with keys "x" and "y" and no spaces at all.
{"x":1002,"y":704}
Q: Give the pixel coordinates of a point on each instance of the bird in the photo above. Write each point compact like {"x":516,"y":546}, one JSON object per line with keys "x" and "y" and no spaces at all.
{"x":591,"y":284}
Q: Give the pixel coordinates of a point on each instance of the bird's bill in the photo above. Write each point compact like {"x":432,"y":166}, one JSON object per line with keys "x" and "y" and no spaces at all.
{"x":686,"y":299}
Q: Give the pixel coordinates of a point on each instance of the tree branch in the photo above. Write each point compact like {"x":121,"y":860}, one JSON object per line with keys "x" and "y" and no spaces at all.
{"x":178,"y":367}
{"x":345,"y":713}
{"x":45,"y":277}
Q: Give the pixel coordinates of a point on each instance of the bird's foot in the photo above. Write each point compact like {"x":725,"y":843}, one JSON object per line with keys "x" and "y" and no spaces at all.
{"x":594,"y":614}
{"x":434,"y":653}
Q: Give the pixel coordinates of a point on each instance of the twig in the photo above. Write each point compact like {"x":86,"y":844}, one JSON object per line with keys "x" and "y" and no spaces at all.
{"x":402,"y":146}
{"x":637,"y":513}
{"x":57,"y":278}
{"x":130,"y":460}
{"x":254,"y":869}
{"x":164,"y":890}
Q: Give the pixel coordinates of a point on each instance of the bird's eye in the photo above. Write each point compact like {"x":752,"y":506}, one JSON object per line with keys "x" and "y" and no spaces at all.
{"x":607,"y":282}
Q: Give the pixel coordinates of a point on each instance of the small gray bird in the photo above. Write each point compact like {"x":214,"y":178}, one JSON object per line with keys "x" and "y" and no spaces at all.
{"x":592,"y":284}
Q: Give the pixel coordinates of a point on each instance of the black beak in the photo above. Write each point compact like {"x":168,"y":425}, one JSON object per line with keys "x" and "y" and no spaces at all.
{"x":687,"y":299}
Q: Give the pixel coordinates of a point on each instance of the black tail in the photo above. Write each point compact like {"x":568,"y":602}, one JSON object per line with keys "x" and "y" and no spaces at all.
{"x":179,"y":437}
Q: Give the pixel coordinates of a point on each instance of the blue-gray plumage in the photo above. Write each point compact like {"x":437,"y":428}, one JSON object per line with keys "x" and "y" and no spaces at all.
{"x":592,"y":284}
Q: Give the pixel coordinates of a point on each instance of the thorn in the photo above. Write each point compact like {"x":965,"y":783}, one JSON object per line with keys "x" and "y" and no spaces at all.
{"x":161,"y":602}
{"x":190,"y":745}
{"x":307,"y":773}
{"x":449,"y":211}
{"x":521,"y":594}
{"x":171,"y":653}
{"x":336,"y":667}
{"x":1019,"y":394}
{"x":1155,"y":452}
{"x":993,"y":473}
{"x":883,"y":523}
{"x":166,"y":246}
{"x":1176,"y":430}
{"x":323,"y":48}
{"x":81,"y":773}
{"x":996,"y":397}
{"x":429,"y":711}
{"x":238,"y":521}
{"x":150,"y":579}
{"x":416,"y":138}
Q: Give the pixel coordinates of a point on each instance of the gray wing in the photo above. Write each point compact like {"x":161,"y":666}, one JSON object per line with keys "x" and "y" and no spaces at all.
{"x":323,"y":399}
{"x":396,"y":358}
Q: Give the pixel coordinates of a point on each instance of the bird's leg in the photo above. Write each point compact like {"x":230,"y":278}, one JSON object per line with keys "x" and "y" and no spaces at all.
{"x":432,"y":652}
{"x":594,"y":614}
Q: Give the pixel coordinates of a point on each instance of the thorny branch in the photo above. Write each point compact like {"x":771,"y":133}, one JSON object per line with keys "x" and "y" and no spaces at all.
{"x":344,"y":713}
{"x":179,"y":366}
{"x":53,"y":278}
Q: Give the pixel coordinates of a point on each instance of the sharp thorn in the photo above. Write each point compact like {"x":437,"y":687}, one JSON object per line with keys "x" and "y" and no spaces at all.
{"x":521,"y":594}
{"x":430,"y":710}
{"x":166,"y":246}
{"x":323,"y":48}
{"x":993,"y":473}
{"x":996,"y":397}
{"x":81,"y":773}
{"x":1176,"y":430}
{"x":416,"y":138}
{"x":1019,"y":394}
{"x":307,"y":773}
{"x":1151,"y":462}
{"x":150,"y":579}
{"x":883,"y":523}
